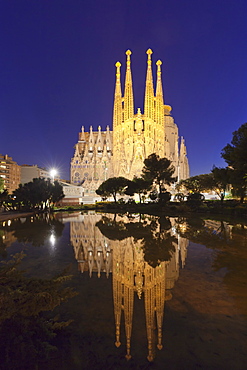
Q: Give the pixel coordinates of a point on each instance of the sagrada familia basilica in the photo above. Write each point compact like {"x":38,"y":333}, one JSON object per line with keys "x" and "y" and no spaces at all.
{"x":134,"y":136}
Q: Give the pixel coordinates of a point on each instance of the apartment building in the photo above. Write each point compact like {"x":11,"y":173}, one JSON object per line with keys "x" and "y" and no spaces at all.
{"x":10,"y":172}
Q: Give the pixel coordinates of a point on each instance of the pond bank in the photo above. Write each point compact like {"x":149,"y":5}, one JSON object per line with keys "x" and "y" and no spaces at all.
{"x":11,"y":215}
{"x":174,"y":209}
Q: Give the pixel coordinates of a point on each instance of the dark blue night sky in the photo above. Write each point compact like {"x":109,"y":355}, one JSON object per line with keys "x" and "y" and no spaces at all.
{"x":57,"y":71}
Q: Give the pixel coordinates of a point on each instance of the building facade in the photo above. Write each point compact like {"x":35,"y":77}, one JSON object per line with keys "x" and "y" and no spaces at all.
{"x":10,"y":173}
{"x":134,"y":136}
{"x":30,"y":172}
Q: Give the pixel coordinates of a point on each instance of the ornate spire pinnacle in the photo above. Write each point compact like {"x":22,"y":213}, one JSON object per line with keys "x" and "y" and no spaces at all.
{"x":99,"y":141}
{"x":77,"y":153}
{"x":159,"y":90}
{"x":159,"y":106}
{"x":149,"y":52}
{"x":128,"y":53}
{"x":91,"y":140}
{"x":118,"y":83}
{"x":149,"y":91}
{"x":82,"y":134}
{"x":108,"y":140}
{"x":128,"y":90}
{"x":117,"y":109}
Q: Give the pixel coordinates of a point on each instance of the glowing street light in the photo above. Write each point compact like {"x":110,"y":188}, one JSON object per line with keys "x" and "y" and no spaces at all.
{"x":53,"y":173}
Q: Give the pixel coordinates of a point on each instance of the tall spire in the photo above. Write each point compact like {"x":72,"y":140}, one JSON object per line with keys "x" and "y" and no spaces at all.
{"x":159,"y":105}
{"x":91,"y":140}
{"x":82,"y":134}
{"x":128,"y":90}
{"x":183,"y":162}
{"x":117,"y":110}
{"x":149,"y":91}
{"x":99,"y":142}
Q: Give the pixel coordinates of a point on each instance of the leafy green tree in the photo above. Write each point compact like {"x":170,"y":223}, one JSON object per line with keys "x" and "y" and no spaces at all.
{"x":216,"y":181}
{"x":138,"y":186}
{"x":222,"y":178}
{"x":113,"y":186}
{"x":56,"y":192}
{"x":196,"y":184}
{"x":235,"y":155}
{"x":39,"y":193}
{"x":158,"y":171}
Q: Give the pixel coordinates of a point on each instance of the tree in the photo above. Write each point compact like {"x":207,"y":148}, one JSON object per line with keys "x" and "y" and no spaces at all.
{"x":216,"y":181}
{"x":235,"y":155}
{"x":159,"y":171}
{"x":56,"y":192}
{"x":138,"y":186}
{"x":196,"y":184}
{"x":112,"y":186}
{"x":39,"y":193}
{"x":221,"y":178}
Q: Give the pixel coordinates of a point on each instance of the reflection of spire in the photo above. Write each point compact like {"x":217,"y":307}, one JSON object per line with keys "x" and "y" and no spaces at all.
{"x":149,"y":309}
{"x":117,"y":291}
{"x":130,"y":274}
{"x":160,"y":299}
{"x":128,"y":294}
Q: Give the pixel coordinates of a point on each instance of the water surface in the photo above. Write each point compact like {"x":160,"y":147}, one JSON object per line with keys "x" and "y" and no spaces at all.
{"x":154,"y":292}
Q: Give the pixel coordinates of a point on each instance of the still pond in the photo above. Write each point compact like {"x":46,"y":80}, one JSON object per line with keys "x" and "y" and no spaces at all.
{"x":153,"y":292}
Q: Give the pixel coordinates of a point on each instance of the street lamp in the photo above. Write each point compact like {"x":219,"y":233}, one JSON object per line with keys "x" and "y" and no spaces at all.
{"x":53,"y":173}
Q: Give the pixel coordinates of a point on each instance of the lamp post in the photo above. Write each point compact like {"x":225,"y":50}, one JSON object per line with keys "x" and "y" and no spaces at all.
{"x":53,"y":173}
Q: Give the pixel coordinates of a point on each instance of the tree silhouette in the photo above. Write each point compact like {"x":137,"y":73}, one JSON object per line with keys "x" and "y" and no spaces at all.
{"x":235,"y":155}
{"x":159,"y":171}
{"x":112,"y":186}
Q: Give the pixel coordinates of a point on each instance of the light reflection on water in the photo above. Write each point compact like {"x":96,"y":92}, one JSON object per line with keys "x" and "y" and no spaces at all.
{"x":143,"y":254}
{"x":142,"y":257}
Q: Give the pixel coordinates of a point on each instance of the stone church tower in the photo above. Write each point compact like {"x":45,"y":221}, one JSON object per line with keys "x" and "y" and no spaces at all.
{"x":121,"y":152}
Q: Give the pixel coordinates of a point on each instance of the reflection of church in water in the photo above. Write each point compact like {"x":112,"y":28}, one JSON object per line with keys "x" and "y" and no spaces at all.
{"x":131,"y":274}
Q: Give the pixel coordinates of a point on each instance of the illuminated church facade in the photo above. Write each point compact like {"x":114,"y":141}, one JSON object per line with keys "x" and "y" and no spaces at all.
{"x":134,"y":136}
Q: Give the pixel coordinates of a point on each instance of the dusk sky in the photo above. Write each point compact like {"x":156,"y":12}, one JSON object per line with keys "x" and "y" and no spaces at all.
{"x":57,"y":72}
